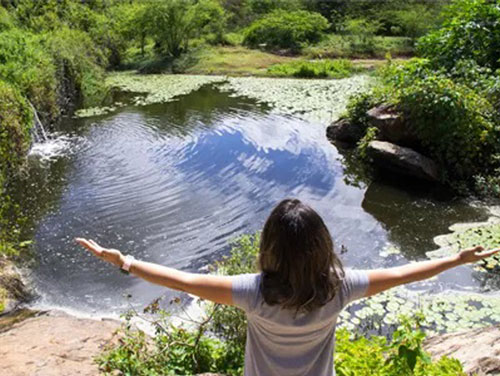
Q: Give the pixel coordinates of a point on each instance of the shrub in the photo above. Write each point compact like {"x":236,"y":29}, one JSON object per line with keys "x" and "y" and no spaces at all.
{"x":360,"y":34}
{"x":454,"y":122}
{"x":78,"y":65}
{"x":6,"y":21}
{"x":26,"y":65}
{"x":314,"y":69}
{"x":471,"y":30}
{"x":284,"y":29}
{"x":15,"y":122}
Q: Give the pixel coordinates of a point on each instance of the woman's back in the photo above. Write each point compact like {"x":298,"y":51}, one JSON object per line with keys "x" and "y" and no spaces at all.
{"x":280,"y":342}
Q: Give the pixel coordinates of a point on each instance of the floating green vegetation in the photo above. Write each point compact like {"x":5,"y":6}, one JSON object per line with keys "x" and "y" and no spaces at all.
{"x":96,"y":111}
{"x":390,"y":249}
{"x":312,"y":100}
{"x":465,"y":235}
{"x":158,"y":88}
{"x":447,"y":312}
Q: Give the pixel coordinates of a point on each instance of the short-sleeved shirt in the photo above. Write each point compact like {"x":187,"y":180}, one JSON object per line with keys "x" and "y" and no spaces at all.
{"x":280,"y":342}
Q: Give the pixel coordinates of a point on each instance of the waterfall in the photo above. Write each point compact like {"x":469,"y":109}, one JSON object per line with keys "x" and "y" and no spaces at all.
{"x":38,"y":131}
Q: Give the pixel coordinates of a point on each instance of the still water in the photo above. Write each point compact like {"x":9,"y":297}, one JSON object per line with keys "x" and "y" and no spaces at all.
{"x":174,"y":183}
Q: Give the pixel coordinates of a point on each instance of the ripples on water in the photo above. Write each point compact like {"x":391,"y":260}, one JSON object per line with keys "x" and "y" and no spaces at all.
{"x":173,"y":183}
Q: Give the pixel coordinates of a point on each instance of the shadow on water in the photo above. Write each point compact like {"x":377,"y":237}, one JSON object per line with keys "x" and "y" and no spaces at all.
{"x":173,"y":183}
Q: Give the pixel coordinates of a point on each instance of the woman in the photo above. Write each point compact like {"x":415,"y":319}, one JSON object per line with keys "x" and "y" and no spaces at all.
{"x":293,"y":304}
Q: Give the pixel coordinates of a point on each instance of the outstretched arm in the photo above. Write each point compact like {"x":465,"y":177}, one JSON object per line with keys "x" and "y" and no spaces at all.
{"x":384,"y":279}
{"x":211,"y":287}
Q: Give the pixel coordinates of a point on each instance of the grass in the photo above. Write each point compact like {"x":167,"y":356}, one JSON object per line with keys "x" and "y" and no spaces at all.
{"x":236,"y":61}
{"x":338,"y":46}
{"x":317,"y":61}
{"x":339,"y":68}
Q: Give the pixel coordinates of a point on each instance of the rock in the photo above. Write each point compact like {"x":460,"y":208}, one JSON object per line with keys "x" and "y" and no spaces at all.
{"x":54,"y":344}
{"x":343,"y":130}
{"x":13,"y":291}
{"x":403,"y":160}
{"x":478,"y":349}
{"x":391,"y":125}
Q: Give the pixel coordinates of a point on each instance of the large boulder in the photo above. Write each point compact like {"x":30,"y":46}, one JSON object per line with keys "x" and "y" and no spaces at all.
{"x":391,"y":126}
{"x":403,"y":160}
{"x":478,"y":350}
{"x":345,"y":131}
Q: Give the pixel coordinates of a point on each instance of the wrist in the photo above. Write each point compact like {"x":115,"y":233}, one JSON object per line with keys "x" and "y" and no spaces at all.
{"x":456,"y":260}
{"x":127,"y":263}
{"x":121,"y":261}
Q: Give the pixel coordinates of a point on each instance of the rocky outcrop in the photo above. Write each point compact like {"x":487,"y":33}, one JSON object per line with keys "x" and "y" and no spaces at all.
{"x":391,"y":126}
{"x":344,"y":131}
{"x":402,"y":160}
{"x":12,"y":288}
{"x":54,"y":344}
{"x":478,"y":349}
{"x":400,"y":147}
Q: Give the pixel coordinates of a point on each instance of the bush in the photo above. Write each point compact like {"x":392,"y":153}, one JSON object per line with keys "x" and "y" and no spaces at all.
{"x":454,"y":122}
{"x":360,"y":34}
{"x":16,"y":118}
{"x":314,"y":69}
{"x":287,"y":30}
{"x":27,"y":66}
{"x":6,"y":21}
{"x":471,"y":30}
{"x":78,"y":66}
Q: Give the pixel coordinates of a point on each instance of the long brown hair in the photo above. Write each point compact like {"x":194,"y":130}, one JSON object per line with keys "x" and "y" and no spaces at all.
{"x":299,"y":267}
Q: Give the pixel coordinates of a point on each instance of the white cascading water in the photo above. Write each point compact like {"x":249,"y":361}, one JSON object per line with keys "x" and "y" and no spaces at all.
{"x":38,"y":131}
{"x":46,"y":147}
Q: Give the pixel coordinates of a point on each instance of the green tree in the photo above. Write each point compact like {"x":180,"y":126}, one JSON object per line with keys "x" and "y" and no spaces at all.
{"x":471,"y":30}
{"x":284,"y":29}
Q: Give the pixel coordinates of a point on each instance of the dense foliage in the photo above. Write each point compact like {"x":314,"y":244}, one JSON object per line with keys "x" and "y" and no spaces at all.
{"x":283,"y":29}
{"x":471,"y":31}
{"x":14,"y":142}
{"x":450,"y":100}
{"x":217,"y":342}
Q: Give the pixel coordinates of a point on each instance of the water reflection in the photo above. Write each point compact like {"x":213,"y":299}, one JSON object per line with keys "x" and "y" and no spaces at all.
{"x":173,"y":183}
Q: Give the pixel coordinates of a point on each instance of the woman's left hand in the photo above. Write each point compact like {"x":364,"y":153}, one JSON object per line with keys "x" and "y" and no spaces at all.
{"x":112,"y":256}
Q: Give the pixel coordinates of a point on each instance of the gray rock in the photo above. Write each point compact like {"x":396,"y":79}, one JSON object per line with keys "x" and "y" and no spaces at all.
{"x":391,"y":126}
{"x":344,"y":131}
{"x":403,"y":160}
{"x":478,"y":350}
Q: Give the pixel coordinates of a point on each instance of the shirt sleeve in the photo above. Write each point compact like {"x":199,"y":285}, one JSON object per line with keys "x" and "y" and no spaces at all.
{"x":354,"y":285}
{"x":245,"y":290}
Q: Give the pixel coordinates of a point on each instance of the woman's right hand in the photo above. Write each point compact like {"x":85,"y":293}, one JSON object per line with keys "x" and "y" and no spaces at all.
{"x":112,"y":256}
{"x":475,"y":254}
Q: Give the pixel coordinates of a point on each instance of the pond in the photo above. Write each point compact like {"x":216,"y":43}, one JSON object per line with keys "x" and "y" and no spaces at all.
{"x":173,"y":182}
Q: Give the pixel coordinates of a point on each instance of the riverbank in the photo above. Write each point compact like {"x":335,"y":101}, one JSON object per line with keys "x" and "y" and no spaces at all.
{"x":239,"y":61}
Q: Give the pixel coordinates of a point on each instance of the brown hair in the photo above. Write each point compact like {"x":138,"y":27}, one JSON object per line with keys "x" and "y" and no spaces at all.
{"x":299,"y":267}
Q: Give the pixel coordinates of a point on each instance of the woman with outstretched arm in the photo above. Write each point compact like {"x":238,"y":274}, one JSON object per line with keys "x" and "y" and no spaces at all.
{"x":293,"y":303}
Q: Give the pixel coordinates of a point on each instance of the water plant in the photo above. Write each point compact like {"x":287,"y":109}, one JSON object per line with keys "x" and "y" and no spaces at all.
{"x":316,"y":101}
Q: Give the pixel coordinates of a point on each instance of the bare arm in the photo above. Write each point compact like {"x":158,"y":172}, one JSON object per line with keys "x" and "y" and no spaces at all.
{"x":384,"y":279}
{"x":215,"y":288}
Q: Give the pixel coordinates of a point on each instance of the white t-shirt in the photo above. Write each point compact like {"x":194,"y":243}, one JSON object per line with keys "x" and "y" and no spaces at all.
{"x":282,"y":344}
